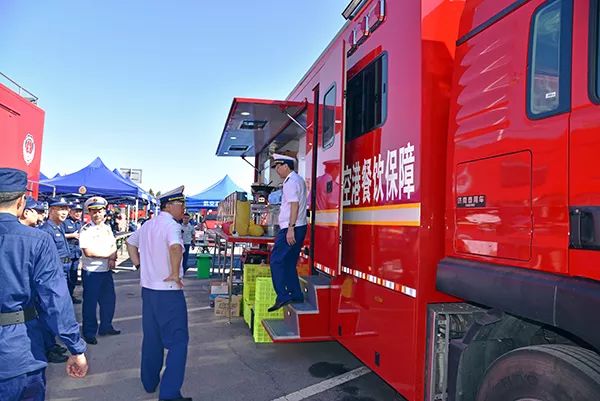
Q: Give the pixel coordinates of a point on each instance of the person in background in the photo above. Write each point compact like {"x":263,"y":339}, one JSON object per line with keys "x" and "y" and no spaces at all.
{"x":31,"y":274}
{"x":57,"y":214}
{"x":157,"y":250}
{"x":40,"y":208}
{"x":29,"y":217}
{"x":99,"y":249}
{"x":188,"y":232}
{"x":149,"y":217}
{"x":71,"y":227}
{"x":289,"y":240}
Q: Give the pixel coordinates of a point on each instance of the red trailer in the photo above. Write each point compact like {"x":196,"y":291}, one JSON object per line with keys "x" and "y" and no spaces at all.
{"x":21,"y":126}
{"x":449,"y":147}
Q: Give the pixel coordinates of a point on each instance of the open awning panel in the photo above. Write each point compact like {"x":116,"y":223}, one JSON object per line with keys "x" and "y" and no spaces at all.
{"x":254,"y":123}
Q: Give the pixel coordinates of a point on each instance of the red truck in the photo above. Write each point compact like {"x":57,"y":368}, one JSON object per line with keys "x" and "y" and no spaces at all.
{"x":449,"y":148}
{"x":21,"y":129}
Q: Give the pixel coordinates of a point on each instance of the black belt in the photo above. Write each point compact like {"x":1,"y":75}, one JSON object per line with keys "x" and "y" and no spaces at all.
{"x":18,"y":317}
{"x":65,"y":260}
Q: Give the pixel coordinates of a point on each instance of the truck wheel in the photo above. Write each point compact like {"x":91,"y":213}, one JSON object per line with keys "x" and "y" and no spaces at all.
{"x":543,"y":373}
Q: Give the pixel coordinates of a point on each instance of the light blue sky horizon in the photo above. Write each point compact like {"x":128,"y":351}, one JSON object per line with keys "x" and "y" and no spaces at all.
{"x":148,"y":84}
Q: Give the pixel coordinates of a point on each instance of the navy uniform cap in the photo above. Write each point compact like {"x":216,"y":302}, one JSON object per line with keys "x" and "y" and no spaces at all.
{"x":12,"y":180}
{"x":40,"y":206}
{"x":76,"y":205}
{"x":96,"y":202}
{"x":174,"y":195}
{"x":58,"y":201}
{"x":30,"y":203}
{"x":282,"y":159}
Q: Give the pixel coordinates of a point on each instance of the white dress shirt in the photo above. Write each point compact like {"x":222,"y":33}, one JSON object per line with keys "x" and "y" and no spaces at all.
{"x":98,"y":238}
{"x":294,"y":190}
{"x":153,"y":240}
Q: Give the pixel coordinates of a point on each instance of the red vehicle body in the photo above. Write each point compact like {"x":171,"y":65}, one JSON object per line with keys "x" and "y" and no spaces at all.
{"x":21,"y":128}
{"x":449,"y":150}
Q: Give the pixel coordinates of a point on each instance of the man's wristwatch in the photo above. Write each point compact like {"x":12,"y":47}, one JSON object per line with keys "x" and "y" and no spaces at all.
{"x":292,"y":225}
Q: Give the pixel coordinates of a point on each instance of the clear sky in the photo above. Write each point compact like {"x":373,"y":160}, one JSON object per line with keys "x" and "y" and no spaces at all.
{"x":148,"y":84}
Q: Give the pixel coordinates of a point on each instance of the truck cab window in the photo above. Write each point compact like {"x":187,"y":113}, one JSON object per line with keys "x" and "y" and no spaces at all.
{"x":549,"y":60}
{"x":329,"y":118}
{"x":366,"y":105}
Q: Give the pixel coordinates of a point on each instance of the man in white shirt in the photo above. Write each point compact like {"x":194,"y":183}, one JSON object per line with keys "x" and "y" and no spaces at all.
{"x":188,"y":232}
{"x":289,"y":240}
{"x":99,"y":257}
{"x":157,"y":250}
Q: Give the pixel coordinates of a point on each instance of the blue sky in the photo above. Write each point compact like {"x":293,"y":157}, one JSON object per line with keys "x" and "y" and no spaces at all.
{"x":148,"y":84}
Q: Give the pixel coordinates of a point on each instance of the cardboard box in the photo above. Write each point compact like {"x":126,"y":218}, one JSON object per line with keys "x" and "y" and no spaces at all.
{"x":218,"y":288}
{"x":222,"y":304}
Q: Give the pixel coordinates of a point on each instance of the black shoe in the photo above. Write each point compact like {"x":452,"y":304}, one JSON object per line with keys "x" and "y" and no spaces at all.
{"x":279,"y":305}
{"x":57,"y":349}
{"x":54,"y":357}
{"x":178,"y":399}
{"x":90,"y":340}
{"x":111,"y":332}
{"x":76,"y":301}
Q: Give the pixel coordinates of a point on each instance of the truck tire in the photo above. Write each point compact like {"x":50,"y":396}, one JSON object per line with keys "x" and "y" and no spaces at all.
{"x":543,"y":373}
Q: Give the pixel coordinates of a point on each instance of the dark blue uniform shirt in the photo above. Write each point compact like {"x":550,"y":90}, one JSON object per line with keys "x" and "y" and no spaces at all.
{"x":70,"y":226}
{"x":58,"y":235}
{"x":31,"y":274}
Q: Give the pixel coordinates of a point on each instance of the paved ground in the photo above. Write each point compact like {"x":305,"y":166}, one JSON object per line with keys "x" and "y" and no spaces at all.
{"x":224,"y":364}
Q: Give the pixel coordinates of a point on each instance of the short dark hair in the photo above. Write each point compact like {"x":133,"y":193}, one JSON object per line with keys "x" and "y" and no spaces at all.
{"x":8,"y":198}
{"x":186,"y":214}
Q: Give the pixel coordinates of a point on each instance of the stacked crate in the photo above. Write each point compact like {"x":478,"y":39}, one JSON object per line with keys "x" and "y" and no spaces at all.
{"x":264,"y":298}
{"x":251,"y":273}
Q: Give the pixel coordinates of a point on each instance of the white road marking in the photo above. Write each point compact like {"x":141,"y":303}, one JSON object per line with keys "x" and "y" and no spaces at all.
{"x":324,"y":385}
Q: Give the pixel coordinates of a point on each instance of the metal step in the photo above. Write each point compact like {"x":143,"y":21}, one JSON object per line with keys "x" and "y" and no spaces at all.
{"x":280,"y":331}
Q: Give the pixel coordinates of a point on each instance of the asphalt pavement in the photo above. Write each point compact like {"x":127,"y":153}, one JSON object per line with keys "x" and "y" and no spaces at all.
{"x":224,"y":363}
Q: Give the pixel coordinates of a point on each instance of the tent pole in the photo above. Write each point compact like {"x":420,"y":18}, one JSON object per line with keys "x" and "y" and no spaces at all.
{"x":136,"y":211}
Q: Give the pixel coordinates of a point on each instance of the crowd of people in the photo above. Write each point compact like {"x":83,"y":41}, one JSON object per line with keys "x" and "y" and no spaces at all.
{"x":42,"y":248}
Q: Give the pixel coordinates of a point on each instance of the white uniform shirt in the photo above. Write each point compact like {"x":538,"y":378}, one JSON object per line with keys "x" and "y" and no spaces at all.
{"x":153,"y":240}
{"x":186,"y":232}
{"x":98,"y":239}
{"x":294,"y":190}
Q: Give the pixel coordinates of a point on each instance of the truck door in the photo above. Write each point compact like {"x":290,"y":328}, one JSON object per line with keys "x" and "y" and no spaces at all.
{"x":328,"y":159}
{"x":584,"y":173}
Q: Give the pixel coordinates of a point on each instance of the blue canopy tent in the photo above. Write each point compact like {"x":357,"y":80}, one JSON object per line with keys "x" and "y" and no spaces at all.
{"x":42,"y":188}
{"x":94,"y":179}
{"x":211,"y":196}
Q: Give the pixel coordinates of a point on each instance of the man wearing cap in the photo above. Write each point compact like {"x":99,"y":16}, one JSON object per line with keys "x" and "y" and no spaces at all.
{"x":99,"y":248}
{"x":57,"y":213}
{"x":31,"y":272}
{"x":289,"y":240}
{"x":42,"y":209}
{"x":71,"y":227}
{"x":29,"y":217}
{"x":157,"y":250}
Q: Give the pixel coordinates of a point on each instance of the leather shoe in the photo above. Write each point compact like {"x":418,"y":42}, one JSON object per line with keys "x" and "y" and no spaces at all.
{"x":76,"y":301}
{"x":177,"y":399}
{"x":57,"y":349}
{"x":279,"y":305}
{"x":55,"y":357}
{"x":90,"y":340}
{"x":111,"y":332}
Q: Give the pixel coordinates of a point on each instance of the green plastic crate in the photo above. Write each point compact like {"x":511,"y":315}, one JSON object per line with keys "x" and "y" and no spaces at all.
{"x":247,"y":313}
{"x":251,"y":273}
{"x":265,"y":298}
{"x":203,"y":262}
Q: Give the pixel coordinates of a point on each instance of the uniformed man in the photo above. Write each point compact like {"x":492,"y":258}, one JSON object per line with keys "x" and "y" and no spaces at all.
{"x":29,"y":217}
{"x":158,"y":248}
{"x":57,"y":213}
{"x":99,"y":249}
{"x":31,"y":272}
{"x":40,"y":208}
{"x":289,"y":240}
{"x":71,"y":227}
